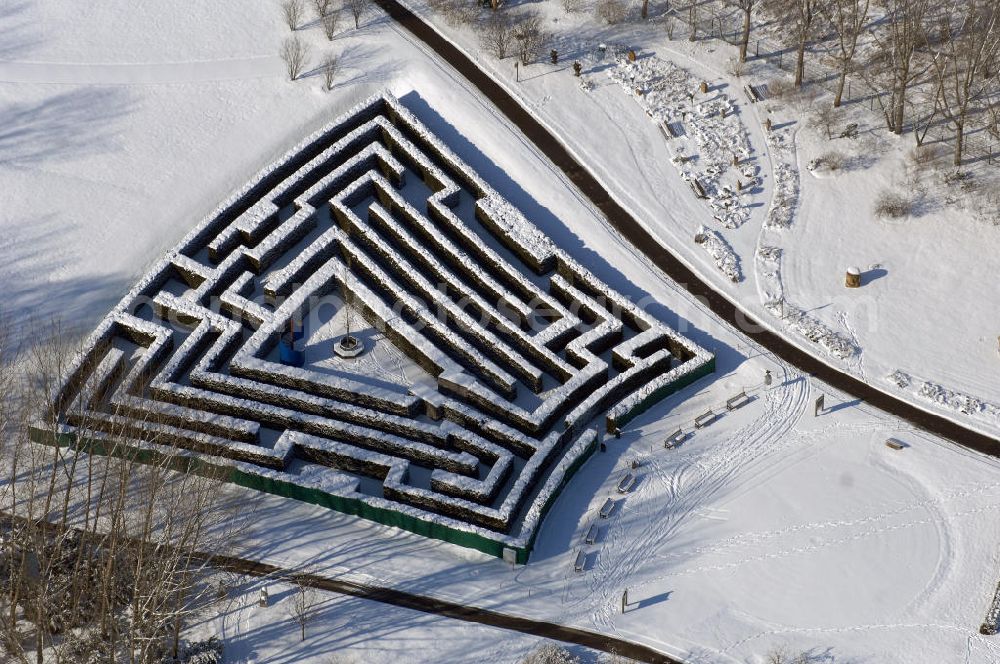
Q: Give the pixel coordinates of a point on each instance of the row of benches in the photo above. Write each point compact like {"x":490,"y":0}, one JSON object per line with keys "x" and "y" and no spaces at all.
{"x":628,"y":481}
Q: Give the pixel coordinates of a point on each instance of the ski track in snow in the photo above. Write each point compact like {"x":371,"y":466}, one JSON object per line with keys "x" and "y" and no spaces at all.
{"x":735,"y":461}
{"x":762,"y":537}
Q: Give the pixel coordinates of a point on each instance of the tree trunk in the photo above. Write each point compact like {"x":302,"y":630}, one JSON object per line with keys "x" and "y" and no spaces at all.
{"x":39,"y":629}
{"x":840,"y":89}
{"x":959,"y":141}
{"x":745,"y":40}
{"x":800,"y":59}
{"x":897,"y":113}
{"x":645,"y":9}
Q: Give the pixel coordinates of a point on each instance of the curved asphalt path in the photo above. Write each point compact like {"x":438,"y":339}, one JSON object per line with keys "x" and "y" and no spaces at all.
{"x":636,"y":234}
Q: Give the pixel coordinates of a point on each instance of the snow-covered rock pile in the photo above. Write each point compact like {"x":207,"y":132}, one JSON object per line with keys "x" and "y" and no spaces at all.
{"x":703,"y":131}
{"x":786,"y":196}
{"x":835,"y":344}
{"x":510,"y":332}
{"x":725,"y":257}
{"x":949,"y":399}
{"x":785,"y":199}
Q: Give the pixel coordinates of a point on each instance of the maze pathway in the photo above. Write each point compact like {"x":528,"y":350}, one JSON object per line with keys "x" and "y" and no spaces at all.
{"x":507,"y":349}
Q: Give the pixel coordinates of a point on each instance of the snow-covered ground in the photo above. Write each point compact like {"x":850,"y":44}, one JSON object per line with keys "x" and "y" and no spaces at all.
{"x":769,"y":527}
{"x":347,"y":630}
{"x":921,"y":274}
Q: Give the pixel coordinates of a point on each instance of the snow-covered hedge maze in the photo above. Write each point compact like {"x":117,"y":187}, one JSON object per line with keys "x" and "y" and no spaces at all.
{"x":506,"y":350}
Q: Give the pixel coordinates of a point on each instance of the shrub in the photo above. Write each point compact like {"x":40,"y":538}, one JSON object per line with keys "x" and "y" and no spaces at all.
{"x":456,"y":12}
{"x":550,"y":653}
{"x":611,"y":11}
{"x":832,"y":160}
{"x":734,"y":67}
{"x":988,"y":209}
{"x":892,"y":205}
{"x":923,"y":156}
{"x":780,"y":88}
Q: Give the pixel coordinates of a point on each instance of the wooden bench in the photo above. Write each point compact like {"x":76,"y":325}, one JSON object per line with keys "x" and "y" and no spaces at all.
{"x":699,"y":191}
{"x":894,"y":444}
{"x":607,"y":508}
{"x":581,"y":561}
{"x":738,"y":401}
{"x":626,"y":484}
{"x":592,"y":533}
{"x":674,"y":439}
{"x":705,"y":419}
{"x":752,"y":93}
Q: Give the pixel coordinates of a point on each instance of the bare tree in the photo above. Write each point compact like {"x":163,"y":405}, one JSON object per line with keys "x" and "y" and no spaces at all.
{"x":530,"y":37}
{"x":669,"y":26}
{"x":779,"y":655}
{"x":303,"y":605}
{"x":358,"y":9}
{"x":804,"y":11}
{"x":293,"y":11}
{"x":611,"y":11}
{"x":322,"y":7}
{"x":456,"y":12}
{"x":745,"y":6}
{"x":969,"y":33}
{"x":848,"y":19}
{"x":497,"y":34}
{"x":894,"y":68}
{"x":329,"y":69}
{"x":331,"y":23}
{"x":993,"y":114}
{"x":823,"y":118}
{"x":104,"y":561}
{"x":294,"y":53}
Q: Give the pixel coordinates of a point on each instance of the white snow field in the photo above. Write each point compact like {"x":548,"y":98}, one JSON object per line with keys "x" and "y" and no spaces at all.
{"x":769,"y":527}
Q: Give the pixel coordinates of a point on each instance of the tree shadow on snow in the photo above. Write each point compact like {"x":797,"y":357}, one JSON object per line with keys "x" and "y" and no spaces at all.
{"x":65,"y":125}
{"x":17,"y":38}
{"x":34,"y":297}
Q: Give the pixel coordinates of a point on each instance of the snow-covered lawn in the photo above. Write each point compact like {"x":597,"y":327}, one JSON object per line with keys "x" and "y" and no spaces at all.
{"x":349,"y":630}
{"x":769,"y":527}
